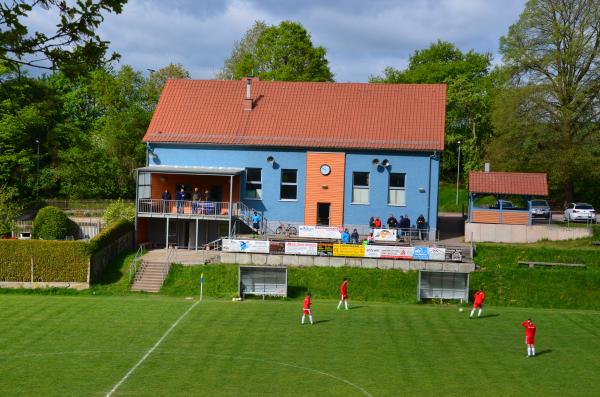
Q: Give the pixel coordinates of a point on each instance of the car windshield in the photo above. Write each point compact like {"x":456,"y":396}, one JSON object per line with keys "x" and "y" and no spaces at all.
{"x":583,"y":207}
{"x":539,"y":203}
{"x":507,"y":204}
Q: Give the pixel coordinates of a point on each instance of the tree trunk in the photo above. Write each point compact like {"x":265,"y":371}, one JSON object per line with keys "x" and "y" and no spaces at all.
{"x":569,"y":191}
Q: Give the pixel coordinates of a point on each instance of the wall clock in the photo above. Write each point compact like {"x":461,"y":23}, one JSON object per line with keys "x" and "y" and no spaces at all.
{"x":325,"y":169}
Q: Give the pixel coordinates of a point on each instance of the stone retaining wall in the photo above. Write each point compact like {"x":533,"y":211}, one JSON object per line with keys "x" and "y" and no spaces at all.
{"x":42,"y":284}
{"x":335,"y":261}
{"x":485,"y":232}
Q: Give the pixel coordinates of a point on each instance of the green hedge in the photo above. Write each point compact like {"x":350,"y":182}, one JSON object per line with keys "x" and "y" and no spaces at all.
{"x":65,"y":261}
{"x":322,"y":282}
{"x":51,"y":223}
{"x":108,"y":235}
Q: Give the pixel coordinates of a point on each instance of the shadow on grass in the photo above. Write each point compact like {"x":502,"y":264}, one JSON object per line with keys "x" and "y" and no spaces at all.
{"x":490,"y":315}
{"x":547,"y":351}
{"x":356,"y":307}
{"x":322,"y":321}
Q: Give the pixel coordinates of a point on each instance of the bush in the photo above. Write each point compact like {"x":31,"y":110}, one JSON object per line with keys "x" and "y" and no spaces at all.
{"x":109,"y":234}
{"x":65,"y":261}
{"x":51,"y":223}
{"x":119,"y":211}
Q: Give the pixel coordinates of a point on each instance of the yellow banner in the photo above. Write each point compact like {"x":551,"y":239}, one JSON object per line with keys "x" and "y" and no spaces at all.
{"x":349,"y":250}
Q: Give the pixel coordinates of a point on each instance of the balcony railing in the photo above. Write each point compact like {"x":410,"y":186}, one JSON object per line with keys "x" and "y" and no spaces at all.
{"x":201,"y":209}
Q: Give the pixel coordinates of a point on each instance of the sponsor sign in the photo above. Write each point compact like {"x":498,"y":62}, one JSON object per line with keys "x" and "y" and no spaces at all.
{"x":383,"y":251}
{"x":325,"y":249}
{"x":298,"y":248}
{"x":257,"y":246}
{"x":319,"y":232}
{"x":385,"y":234}
{"x":455,"y":254}
{"x":421,"y":253}
{"x":349,"y":250}
{"x":437,"y":254}
{"x":277,"y":247}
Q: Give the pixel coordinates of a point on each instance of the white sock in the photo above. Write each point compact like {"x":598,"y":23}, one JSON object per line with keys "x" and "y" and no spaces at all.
{"x":303,"y":316}
{"x":310,"y":318}
{"x":532,"y":350}
{"x":346,"y":304}
{"x":339,"y":304}
{"x":528,"y":350}
{"x":479,"y":314}
{"x":472,"y":312}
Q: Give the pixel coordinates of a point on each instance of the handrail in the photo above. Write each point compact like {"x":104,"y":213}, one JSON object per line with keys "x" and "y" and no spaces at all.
{"x":135,"y":264}
{"x":214,"y":245}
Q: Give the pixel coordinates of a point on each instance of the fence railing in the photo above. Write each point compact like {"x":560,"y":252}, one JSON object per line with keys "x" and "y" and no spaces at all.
{"x":135,"y":264}
{"x":183,"y":207}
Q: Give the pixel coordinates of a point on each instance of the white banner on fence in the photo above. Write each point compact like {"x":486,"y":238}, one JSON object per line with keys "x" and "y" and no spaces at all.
{"x":319,"y":232}
{"x":258,"y":246}
{"x":437,"y":254}
{"x":383,"y":251}
{"x":297,"y":248}
{"x":385,"y":234}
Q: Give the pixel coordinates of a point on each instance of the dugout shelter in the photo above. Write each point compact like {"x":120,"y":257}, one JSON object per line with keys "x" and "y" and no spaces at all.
{"x":443,"y":285}
{"x":262,"y":281}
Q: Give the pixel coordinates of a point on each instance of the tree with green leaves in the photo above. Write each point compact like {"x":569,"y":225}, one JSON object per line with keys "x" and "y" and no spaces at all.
{"x":10,"y":209}
{"x":284,"y":53}
{"x":74,"y":45}
{"x":548,"y":115}
{"x":158,"y":79}
{"x":470,"y":89}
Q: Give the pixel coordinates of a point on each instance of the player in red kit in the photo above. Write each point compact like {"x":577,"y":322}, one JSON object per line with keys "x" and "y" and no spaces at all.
{"x":343,"y":294}
{"x":478,"y":298}
{"x":306,"y":309}
{"x":529,"y":336}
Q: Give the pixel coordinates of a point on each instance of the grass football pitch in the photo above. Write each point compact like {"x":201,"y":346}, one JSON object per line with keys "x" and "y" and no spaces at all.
{"x":85,"y":346}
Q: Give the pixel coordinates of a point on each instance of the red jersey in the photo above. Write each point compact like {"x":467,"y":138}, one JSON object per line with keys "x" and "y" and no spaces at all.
{"x":479,"y":298}
{"x":307,"y":303}
{"x":529,"y":329}
{"x":377,"y":223}
{"x":344,"y":289}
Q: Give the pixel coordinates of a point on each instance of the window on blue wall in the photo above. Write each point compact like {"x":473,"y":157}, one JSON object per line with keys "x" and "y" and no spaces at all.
{"x":360,"y":188}
{"x":254,"y":183}
{"x":289,"y":185}
{"x":397,"y":190}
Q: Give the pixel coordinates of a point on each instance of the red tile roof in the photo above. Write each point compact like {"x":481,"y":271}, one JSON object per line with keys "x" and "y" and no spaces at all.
{"x":309,"y":115}
{"x":525,"y":183}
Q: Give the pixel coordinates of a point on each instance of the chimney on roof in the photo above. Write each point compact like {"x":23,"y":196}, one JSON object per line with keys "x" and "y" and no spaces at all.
{"x":486,"y":166}
{"x":248,"y":100}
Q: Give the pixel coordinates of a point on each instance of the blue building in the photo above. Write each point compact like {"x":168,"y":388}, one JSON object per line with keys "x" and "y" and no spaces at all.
{"x":304,"y":153}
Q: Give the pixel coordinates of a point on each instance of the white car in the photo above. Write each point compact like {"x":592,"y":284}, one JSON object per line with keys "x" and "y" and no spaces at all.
{"x":580,"y":212}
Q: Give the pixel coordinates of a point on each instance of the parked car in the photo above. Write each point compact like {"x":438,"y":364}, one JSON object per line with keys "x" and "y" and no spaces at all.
{"x":539,"y":209}
{"x":580,"y":212}
{"x":505,"y":205}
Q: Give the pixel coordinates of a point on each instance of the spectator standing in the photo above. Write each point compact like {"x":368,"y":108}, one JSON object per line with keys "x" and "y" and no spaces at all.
{"x":306,"y":309}
{"x":371,"y":239}
{"x":392,"y":222}
{"x":256,"y":218}
{"x":354,"y":237}
{"x":345,"y":236}
{"x":166,"y":198}
{"x":421,"y":225}
{"x":530,"y":329}
{"x":405,"y":225}
{"x":371,"y":224}
{"x":377,"y":223}
{"x":180,"y":197}
{"x":196,"y":200}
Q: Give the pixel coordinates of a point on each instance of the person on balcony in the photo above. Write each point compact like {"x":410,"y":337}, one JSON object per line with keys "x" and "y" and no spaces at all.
{"x":256,"y":222}
{"x":354,"y":237}
{"x":195,"y":200}
{"x":421,"y":225}
{"x":392,"y":222}
{"x":180,"y":197}
{"x":166,"y":198}
{"x":346,"y":236}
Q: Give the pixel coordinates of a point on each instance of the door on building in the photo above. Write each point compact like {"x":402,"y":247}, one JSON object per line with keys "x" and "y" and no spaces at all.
{"x":216,"y":194}
{"x":323,"y":214}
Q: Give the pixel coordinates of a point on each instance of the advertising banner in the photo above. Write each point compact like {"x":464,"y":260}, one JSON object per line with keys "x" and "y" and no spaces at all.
{"x":385,"y":234}
{"x":319,"y":232}
{"x":348,"y":250}
{"x":256,"y":246}
{"x":437,"y":254}
{"x":325,"y":249}
{"x":298,"y":248}
{"x":383,"y":251}
{"x":276,"y":247}
{"x":421,"y":253}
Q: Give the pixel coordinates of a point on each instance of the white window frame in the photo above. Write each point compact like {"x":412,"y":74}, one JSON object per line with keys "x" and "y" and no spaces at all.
{"x":144,"y":185}
{"x":258,"y":190}
{"x":395,"y":190}
{"x":288,"y":184}
{"x":360,"y":189}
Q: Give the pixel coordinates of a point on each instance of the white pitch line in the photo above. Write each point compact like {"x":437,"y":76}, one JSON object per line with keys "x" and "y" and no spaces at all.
{"x":110,"y":393}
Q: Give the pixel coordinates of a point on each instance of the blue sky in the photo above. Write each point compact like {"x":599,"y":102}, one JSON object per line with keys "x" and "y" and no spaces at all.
{"x":362,"y":37}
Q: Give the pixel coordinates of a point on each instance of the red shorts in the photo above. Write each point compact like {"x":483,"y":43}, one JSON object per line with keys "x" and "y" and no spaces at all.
{"x":306,"y":311}
{"x":344,"y":296}
{"x":478,"y":306}
{"x":530,"y":340}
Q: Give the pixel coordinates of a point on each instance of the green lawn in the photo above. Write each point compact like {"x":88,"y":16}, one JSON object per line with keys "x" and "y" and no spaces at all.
{"x":83,"y":346}
{"x":447,"y":198}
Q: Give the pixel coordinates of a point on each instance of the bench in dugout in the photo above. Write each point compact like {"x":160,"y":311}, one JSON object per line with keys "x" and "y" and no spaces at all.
{"x":443,"y":285}
{"x":262,"y":280}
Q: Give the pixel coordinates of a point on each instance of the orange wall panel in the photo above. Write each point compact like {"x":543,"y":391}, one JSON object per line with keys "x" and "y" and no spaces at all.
{"x":324,"y":188}
{"x":485,"y":216}
{"x":515,"y":218}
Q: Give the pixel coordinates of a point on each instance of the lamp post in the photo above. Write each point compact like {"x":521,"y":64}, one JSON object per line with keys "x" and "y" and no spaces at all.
{"x":458,"y":172}
{"x":37,"y":173}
